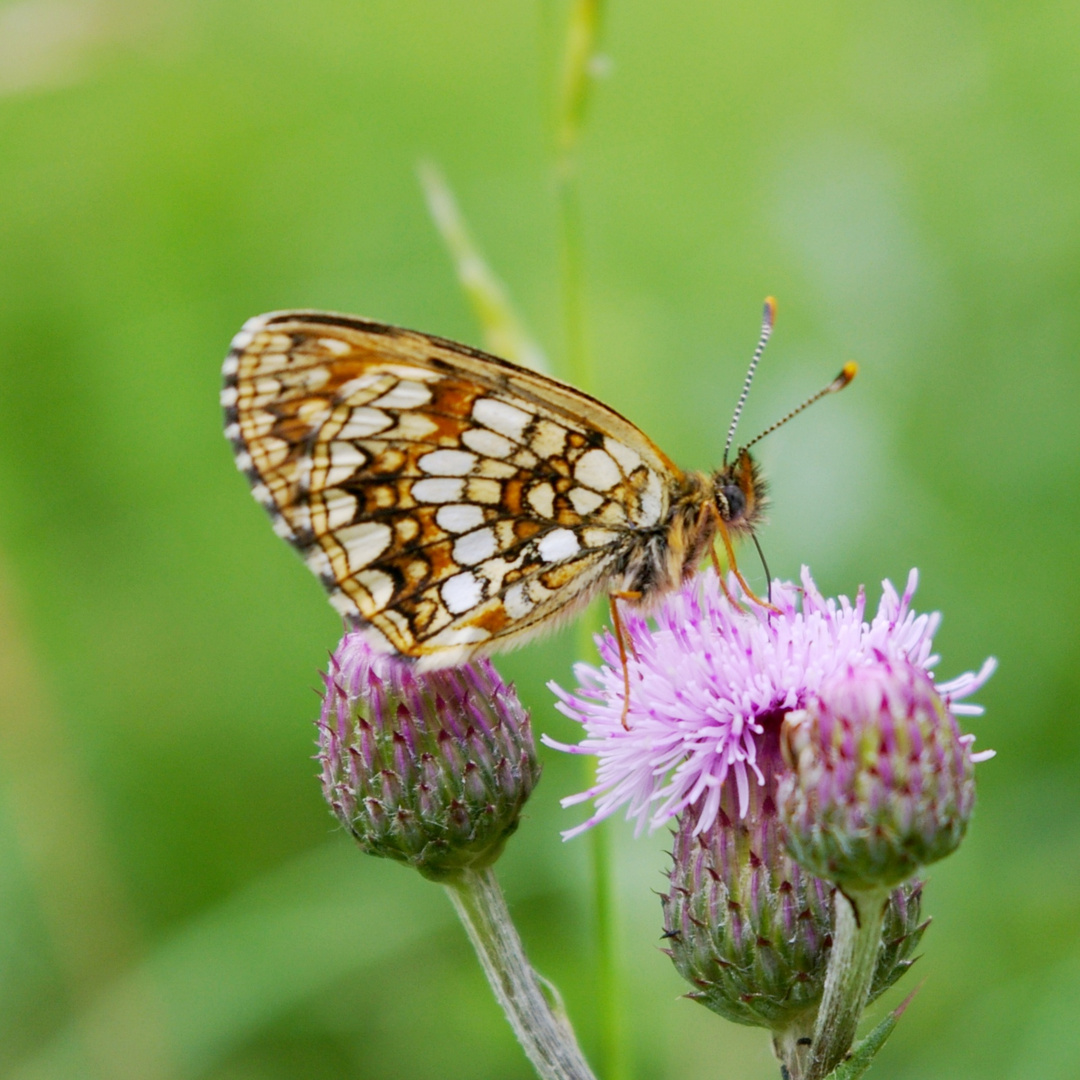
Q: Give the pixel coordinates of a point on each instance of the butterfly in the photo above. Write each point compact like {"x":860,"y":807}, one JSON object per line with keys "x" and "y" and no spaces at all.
{"x":453,"y":503}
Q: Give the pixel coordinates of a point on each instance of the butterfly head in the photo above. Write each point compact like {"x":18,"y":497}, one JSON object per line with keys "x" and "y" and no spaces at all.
{"x":738,"y":491}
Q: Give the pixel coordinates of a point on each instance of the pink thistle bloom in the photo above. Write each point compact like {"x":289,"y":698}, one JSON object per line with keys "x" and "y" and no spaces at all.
{"x":706,"y":678}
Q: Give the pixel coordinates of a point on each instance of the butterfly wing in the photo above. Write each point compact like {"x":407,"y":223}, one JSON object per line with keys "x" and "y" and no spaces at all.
{"x":449,"y":501}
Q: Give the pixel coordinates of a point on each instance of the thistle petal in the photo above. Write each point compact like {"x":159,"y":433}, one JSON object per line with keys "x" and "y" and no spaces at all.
{"x":702,"y":675}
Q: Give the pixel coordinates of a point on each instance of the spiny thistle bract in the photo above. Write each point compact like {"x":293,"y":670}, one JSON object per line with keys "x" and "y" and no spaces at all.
{"x":430,"y":769}
{"x":880,"y":780}
{"x":748,"y":927}
{"x":710,"y":686}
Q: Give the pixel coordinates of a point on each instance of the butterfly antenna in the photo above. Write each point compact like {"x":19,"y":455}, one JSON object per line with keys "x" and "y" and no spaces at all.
{"x":847,"y":373}
{"x":767,"y":321}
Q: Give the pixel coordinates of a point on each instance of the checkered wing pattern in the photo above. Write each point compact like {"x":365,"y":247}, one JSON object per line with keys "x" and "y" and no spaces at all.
{"x":450,"y":502}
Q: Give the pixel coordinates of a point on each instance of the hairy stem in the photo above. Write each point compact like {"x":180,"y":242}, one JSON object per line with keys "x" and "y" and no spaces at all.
{"x":792,"y":1047}
{"x":856,"y":940}
{"x":541,"y":1027}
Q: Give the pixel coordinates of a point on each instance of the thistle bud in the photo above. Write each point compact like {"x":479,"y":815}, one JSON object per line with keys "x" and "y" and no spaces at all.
{"x":748,"y":927}
{"x":431,"y":769}
{"x":882,"y":781}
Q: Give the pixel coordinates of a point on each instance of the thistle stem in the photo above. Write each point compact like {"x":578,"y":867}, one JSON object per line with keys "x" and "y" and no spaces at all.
{"x":792,"y":1047}
{"x":615,"y":1058}
{"x":542,"y":1028}
{"x":856,"y":940}
{"x":582,"y":33}
{"x":575,"y":89}
{"x":578,"y":361}
{"x":616,"y":1066}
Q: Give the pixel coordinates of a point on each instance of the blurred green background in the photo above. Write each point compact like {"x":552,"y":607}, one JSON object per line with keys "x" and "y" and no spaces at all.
{"x":174,"y":899}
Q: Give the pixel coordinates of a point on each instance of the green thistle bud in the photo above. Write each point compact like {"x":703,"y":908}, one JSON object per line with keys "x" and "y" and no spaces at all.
{"x":430,"y":769}
{"x":748,"y":927}
{"x":881,"y":780}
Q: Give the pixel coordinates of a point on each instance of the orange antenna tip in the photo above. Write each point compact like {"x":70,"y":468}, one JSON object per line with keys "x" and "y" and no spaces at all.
{"x":770,"y":310}
{"x":847,"y":373}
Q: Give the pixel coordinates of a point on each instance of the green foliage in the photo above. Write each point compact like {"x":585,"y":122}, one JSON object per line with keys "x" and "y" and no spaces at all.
{"x":175,"y":901}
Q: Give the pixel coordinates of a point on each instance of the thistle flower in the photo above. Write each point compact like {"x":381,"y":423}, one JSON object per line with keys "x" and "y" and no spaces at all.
{"x":707,"y":675}
{"x":881,"y":781}
{"x":750,"y":929}
{"x":430,"y":769}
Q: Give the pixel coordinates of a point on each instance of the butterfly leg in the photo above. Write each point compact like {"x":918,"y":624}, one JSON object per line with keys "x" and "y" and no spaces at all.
{"x":623,"y":641}
{"x":721,"y":528}
{"x":723,"y":580}
{"x":706,"y":508}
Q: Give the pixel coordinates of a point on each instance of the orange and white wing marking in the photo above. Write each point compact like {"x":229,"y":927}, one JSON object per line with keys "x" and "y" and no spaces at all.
{"x":450,"y":502}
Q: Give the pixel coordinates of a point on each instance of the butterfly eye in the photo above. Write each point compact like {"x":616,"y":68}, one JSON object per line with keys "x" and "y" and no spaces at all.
{"x":731,"y":501}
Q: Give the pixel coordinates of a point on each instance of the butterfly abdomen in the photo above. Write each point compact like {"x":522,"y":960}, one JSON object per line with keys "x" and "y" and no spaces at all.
{"x":660,"y":559}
